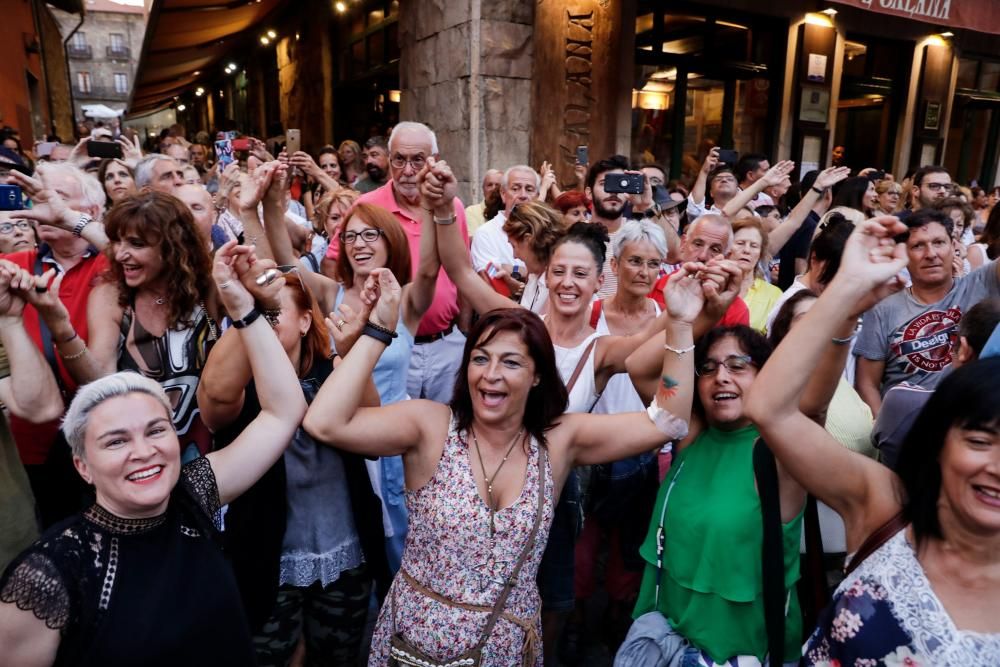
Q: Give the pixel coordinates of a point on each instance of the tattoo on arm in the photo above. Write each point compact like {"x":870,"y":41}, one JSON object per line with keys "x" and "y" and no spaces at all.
{"x":668,"y":387}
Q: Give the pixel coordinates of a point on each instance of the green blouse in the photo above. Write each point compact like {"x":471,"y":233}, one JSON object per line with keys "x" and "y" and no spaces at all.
{"x":712,"y":589}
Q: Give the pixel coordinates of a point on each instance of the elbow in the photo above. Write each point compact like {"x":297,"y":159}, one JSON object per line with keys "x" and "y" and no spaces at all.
{"x":318,"y":425}
{"x":756,"y":407}
{"x":49,"y":411}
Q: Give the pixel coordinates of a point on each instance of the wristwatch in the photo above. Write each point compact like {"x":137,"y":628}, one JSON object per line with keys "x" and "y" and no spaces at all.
{"x":247,"y":319}
{"x":82,"y":222}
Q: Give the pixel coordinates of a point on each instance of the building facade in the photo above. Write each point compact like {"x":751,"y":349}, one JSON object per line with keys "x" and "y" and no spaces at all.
{"x":103,"y":52}
{"x":33,"y":72}
{"x":893,"y":83}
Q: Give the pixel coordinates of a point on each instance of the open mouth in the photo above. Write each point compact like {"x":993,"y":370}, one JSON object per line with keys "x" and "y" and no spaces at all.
{"x":146,"y":475}
{"x":362,"y":257}
{"x":492,"y":399}
{"x":724,"y":396}
{"x":566,"y":297}
{"x":131,"y":270}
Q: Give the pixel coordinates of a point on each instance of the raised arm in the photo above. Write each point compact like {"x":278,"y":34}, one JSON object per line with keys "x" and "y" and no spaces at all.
{"x":697,"y":196}
{"x":825,"y":180}
{"x":862,"y":491}
{"x":30,"y":390}
{"x":776,"y":175}
{"x":598,"y":438}
{"x":253,"y":186}
{"x":49,"y":208}
{"x":437,"y":193}
{"x":455,"y":258}
{"x":335,"y":416}
{"x":282,"y":405}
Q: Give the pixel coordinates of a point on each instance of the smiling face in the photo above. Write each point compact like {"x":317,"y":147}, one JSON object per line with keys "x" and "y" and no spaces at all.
{"x":330,"y":165}
{"x":930,"y":253}
{"x":293,"y":323}
{"x":573,"y":278}
{"x":722,"y":392}
{"x":970,"y":478}
{"x":500,"y":374}
{"x":870,"y":198}
{"x":118,"y":181}
{"x":364,"y":255}
{"x":747,"y":248}
{"x":131,"y":455}
{"x":347,"y":154}
{"x":142,"y":264}
{"x":637,"y":267}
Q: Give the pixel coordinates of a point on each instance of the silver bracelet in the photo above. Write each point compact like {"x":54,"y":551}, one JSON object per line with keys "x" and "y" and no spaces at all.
{"x":679,"y":352}
{"x":446,"y":221}
{"x":845,"y":341}
{"x":82,"y":222}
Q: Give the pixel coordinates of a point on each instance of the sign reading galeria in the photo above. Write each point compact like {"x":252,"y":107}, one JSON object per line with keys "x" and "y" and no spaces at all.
{"x":979,"y":15}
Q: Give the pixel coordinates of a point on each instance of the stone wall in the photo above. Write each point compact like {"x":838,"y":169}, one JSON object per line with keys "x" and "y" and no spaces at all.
{"x":466,"y":71}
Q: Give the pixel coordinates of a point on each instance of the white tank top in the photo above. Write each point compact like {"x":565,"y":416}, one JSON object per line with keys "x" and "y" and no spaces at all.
{"x":584,"y":393}
{"x":619,"y":394}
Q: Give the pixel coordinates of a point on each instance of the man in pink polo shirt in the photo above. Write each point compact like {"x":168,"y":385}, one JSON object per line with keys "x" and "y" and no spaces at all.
{"x":437,"y":353}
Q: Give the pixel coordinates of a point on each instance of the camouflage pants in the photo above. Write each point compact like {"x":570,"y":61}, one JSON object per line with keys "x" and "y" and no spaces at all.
{"x":332,"y":620}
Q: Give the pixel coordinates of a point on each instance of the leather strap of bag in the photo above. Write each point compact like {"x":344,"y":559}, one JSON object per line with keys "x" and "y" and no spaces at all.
{"x":773,"y":554}
{"x":579,"y":366}
{"x":529,"y":545}
{"x":876,"y":540}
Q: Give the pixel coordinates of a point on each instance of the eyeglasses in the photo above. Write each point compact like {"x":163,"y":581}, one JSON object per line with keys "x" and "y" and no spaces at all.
{"x":937,"y":187}
{"x":400,"y":161}
{"x":368,"y":236}
{"x":8,"y":227}
{"x":734,"y":363}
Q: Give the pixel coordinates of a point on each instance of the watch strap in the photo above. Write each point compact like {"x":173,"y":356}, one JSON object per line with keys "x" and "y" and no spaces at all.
{"x":247,"y":319}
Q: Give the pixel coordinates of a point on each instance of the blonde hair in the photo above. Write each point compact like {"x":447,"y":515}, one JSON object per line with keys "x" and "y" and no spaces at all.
{"x":344,"y":197}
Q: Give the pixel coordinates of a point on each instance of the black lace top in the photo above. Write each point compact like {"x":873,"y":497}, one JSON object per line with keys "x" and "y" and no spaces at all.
{"x":154,"y":591}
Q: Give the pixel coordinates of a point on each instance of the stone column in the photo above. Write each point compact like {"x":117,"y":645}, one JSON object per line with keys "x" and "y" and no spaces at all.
{"x":465,"y":70}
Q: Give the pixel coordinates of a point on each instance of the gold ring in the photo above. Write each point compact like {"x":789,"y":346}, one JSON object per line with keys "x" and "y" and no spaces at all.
{"x":340,"y":324}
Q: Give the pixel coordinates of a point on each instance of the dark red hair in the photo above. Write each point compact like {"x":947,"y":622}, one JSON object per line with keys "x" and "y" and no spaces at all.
{"x":571,"y":199}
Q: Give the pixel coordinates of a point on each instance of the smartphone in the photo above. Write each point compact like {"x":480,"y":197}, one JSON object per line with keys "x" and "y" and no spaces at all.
{"x":224,"y":151}
{"x":728,"y":156}
{"x":498,"y":284}
{"x":618,"y":181}
{"x":104,"y":149}
{"x":293,"y":141}
{"x":240,"y":144}
{"x":11,"y":198}
{"x":875,"y":176}
{"x":582,"y":155}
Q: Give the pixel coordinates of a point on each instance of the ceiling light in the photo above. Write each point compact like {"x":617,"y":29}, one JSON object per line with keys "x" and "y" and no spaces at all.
{"x":272,"y":34}
{"x":197,"y":72}
{"x":232,"y":65}
{"x":946,"y":35}
{"x":341,"y":7}
{"x":200,"y":91}
{"x":181,"y":107}
{"x":264,"y":40}
{"x":829,"y":11}
{"x":815,"y":18}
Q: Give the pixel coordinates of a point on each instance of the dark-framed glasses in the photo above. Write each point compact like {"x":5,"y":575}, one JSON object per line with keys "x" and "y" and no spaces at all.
{"x":734,"y":363}
{"x":367,"y":235}
{"x":8,"y":227}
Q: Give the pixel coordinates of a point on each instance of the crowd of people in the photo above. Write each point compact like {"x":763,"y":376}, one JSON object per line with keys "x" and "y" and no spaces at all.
{"x":253,"y":408}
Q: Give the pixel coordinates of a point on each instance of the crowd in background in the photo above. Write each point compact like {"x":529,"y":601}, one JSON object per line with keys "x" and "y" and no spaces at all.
{"x":254,"y":406}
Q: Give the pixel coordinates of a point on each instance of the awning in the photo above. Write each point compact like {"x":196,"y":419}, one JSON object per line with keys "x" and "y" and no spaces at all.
{"x":977,"y":15}
{"x":186,"y":40}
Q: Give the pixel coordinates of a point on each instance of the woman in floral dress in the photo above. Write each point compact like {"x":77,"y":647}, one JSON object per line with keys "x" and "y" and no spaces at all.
{"x":473,"y":469}
{"x":926,"y":588}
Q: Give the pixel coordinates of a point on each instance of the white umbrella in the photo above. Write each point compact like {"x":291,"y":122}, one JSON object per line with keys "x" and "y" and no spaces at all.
{"x":100,"y":111}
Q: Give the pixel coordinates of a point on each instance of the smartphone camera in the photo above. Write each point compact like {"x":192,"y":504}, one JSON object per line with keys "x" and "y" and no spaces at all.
{"x":11,"y":198}
{"x":632,"y":184}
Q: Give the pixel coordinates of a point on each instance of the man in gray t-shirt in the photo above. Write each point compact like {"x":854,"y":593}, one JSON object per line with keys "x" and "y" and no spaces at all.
{"x":908,"y":336}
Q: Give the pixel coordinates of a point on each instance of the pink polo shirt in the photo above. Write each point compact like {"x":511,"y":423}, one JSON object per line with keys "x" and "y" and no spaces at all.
{"x":444,"y":308}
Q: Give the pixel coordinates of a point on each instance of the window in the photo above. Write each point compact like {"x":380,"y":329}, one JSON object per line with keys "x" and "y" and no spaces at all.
{"x":117,"y":42}
{"x":121,"y":82}
{"x":79,"y":40}
{"x":83,"y":81}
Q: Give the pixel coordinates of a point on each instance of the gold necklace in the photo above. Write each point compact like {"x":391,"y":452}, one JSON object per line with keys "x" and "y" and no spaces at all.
{"x":488,"y":479}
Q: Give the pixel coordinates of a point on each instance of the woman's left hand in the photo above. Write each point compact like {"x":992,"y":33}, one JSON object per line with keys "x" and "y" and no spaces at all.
{"x":382,"y":294}
{"x":346,"y":325}
{"x":236,"y":299}
{"x":684,"y":293}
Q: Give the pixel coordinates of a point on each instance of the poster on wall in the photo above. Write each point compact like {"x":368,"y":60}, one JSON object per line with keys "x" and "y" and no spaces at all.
{"x":815,"y":105}
{"x":817,"y":68}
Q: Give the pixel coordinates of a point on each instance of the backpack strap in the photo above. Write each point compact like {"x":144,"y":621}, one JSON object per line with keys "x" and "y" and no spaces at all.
{"x":765,"y":471}
{"x":879,"y":537}
{"x":579,"y":365}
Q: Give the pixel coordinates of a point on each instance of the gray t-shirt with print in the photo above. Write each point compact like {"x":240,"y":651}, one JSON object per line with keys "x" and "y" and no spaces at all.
{"x":914,"y":339}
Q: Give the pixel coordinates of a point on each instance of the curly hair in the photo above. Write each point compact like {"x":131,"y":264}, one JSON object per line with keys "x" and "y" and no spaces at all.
{"x":164,"y":222}
{"x":344,"y":197}
{"x":538,"y":222}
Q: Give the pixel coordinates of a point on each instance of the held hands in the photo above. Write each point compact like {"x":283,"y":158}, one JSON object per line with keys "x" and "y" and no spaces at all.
{"x":871,"y":262}
{"x":721,"y":280}
{"x":236,"y":299}
{"x":438,"y":187}
{"x":831,"y":176}
{"x":684,"y":292}
{"x":265,"y":290}
{"x":382,"y":294}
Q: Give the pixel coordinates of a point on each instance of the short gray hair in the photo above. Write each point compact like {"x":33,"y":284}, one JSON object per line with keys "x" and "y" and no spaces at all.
{"x":91,"y":191}
{"x":520,"y":167}
{"x":74,"y":423}
{"x":415,"y":127}
{"x":716,"y":219}
{"x":637,"y":231}
{"x":144,"y":169}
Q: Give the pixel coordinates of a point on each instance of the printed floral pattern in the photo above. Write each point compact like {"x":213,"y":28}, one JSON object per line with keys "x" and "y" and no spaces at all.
{"x":448,"y":549}
{"x":886,"y":615}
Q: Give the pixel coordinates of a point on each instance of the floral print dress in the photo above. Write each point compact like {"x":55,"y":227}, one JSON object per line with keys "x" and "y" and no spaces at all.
{"x":885,"y":613}
{"x":449,"y":550}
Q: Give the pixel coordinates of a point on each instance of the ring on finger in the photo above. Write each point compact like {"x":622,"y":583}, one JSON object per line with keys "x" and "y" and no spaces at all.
{"x":340,"y":324}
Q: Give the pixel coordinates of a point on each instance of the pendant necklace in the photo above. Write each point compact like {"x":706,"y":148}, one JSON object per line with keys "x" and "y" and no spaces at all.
{"x":488,"y":479}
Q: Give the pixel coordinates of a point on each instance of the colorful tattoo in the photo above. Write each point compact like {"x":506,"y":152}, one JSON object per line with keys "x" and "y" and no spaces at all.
{"x":668,"y":387}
